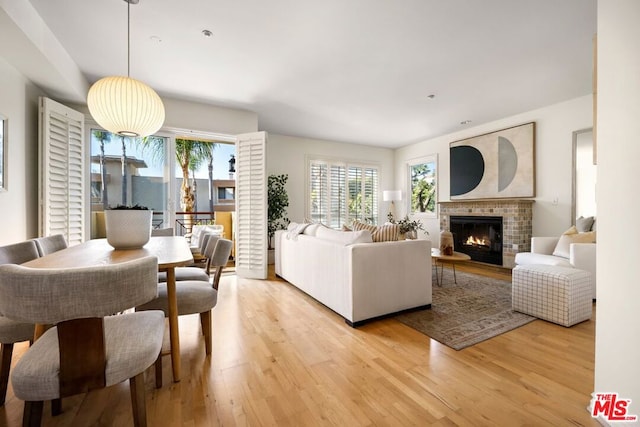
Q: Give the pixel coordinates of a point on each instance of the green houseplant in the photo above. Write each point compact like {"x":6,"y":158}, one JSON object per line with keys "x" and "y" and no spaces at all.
{"x":128,"y":227}
{"x":278,"y":200}
{"x":410,"y":227}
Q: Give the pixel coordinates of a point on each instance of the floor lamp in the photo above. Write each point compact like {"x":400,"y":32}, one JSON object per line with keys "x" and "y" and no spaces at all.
{"x":391,"y":196}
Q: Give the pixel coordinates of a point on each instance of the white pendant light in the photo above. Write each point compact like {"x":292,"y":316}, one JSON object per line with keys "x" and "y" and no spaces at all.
{"x":123,"y":105}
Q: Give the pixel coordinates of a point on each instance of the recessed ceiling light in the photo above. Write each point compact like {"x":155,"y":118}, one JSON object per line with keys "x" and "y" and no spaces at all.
{"x":207,"y":33}
{"x":431,"y":96}
{"x":465,"y":122}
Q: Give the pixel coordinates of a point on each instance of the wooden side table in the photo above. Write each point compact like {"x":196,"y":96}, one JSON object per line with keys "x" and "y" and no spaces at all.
{"x":438,"y":258}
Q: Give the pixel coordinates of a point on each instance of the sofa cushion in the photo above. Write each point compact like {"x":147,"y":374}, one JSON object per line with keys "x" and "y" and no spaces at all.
{"x":530,"y":258}
{"x":344,"y":237}
{"x":562,"y":248}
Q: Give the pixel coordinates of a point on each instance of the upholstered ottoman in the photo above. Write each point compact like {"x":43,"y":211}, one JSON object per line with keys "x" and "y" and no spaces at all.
{"x":560,"y":295}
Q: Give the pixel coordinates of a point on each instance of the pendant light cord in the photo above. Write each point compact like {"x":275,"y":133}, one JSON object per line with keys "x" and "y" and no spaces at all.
{"x":128,"y":39}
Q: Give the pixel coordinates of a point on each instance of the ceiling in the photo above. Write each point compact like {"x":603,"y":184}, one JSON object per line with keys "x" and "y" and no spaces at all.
{"x":345,"y":70}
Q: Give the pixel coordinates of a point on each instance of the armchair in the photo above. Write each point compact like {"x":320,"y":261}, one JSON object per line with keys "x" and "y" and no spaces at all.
{"x":581,"y":256}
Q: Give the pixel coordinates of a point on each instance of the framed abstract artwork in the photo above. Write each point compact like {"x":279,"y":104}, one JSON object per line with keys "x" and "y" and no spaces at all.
{"x":423,"y":186}
{"x":499,"y":164}
{"x":3,"y":153}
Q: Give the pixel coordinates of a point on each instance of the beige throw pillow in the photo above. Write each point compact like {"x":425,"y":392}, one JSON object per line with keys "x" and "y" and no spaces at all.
{"x":562,"y":248}
{"x":382,"y":233}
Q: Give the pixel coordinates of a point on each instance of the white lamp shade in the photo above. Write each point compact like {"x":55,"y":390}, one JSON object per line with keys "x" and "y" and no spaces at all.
{"x":391,"y":195}
{"x":125,"y":106}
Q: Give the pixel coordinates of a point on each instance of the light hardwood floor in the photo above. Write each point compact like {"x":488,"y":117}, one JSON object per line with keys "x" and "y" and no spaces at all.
{"x":281,"y":359}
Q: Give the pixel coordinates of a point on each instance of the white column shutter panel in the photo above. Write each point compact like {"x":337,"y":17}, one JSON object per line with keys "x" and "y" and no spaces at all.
{"x":251,"y":206}
{"x":62,"y":171}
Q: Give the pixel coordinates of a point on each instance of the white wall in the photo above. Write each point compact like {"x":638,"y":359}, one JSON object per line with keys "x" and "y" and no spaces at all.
{"x":19,"y":204}
{"x":288,"y":155}
{"x":554,"y":138}
{"x":618,"y":147}
{"x":200,"y":117}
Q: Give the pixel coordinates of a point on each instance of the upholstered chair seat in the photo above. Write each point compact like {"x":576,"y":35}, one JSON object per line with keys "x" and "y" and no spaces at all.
{"x":196,"y":296}
{"x":134,"y":338}
{"x":200,"y":273}
{"x":12,"y":331}
{"x":89,"y":347}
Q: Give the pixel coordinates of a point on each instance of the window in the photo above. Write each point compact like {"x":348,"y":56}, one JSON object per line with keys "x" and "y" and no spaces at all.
{"x":340,"y":193}
{"x":226,"y":193}
{"x":423,"y":185}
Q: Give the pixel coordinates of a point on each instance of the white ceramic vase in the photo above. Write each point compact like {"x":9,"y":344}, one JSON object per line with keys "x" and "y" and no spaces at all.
{"x":128,"y":228}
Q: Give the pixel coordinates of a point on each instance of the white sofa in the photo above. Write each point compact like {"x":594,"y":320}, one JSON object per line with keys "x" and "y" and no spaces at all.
{"x":359,"y":281}
{"x":581,"y":256}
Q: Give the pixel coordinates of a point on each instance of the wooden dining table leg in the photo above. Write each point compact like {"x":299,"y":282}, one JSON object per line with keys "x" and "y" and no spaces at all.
{"x":173,"y":323}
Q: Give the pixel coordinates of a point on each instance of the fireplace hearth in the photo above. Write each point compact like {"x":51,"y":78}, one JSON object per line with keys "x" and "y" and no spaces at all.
{"x":480,"y":237}
{"x":517,"y":219}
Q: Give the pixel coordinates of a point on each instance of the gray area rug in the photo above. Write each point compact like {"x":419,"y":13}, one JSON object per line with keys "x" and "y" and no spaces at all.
{"x":474,"y":310}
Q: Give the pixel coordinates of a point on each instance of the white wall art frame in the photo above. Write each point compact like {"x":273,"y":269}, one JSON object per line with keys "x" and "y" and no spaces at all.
{"x":499,"y":164}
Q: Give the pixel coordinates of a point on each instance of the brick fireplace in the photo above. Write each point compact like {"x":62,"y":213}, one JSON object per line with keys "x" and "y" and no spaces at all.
{"x":517,"y":215}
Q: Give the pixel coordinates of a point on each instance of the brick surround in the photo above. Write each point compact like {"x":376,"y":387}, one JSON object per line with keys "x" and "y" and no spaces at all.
{"x":517,"y":218}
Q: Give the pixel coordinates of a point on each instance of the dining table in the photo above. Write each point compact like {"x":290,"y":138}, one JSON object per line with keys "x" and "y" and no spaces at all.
{"x":171,"y":251}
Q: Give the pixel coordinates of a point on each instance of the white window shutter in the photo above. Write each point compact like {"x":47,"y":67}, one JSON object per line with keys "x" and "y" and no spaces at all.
{"x":62,"y":172}
{"x":251,"y":206}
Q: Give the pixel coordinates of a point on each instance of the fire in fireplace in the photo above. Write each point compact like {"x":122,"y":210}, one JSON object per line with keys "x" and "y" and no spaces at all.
{"x":480,"y":237}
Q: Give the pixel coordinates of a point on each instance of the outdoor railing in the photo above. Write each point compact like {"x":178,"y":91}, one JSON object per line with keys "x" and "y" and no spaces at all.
{"x":184,"y":221}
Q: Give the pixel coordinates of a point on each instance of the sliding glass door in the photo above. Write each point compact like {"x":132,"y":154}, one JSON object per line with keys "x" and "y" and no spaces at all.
{"x":130,"y":171}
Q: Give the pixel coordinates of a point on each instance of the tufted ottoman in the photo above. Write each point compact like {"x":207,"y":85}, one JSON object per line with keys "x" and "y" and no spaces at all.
{"x":560,"y":295}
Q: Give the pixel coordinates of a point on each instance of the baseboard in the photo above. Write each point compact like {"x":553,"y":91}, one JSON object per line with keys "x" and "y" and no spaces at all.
{"x":386,"y":316}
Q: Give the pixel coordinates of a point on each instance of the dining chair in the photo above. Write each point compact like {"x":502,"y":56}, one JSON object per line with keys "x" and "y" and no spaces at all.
{"x":50,"y":244}
{"x":11,"y":331}
{"x":201,"y":272}
{"x":88,"y":348}
{"x":162,"y":231}
{"x":220,"y":259}
{"x":195,"y":296}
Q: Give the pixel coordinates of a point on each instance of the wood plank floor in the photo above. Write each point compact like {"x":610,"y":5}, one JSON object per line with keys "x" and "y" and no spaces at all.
{"x":281,"y":359}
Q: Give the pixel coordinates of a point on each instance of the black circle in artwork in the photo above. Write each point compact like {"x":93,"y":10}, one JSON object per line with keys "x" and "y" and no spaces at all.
{"x":466,"y":169}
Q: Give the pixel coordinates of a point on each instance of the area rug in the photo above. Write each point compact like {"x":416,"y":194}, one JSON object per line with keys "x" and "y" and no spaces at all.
{"x":474,"y":310}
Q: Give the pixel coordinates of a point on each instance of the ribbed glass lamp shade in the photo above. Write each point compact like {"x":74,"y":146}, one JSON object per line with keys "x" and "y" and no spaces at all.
{"x":125,"y":106}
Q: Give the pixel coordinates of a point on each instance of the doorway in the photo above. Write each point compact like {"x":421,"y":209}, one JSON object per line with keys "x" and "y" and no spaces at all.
{"x":584,"y":176}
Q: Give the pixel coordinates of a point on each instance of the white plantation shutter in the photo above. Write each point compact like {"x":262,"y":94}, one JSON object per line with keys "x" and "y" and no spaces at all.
{"x":251,"y":206}
{"x":340,"y":193}
{"x":62,"y":172}
{"x":370,"y":191}
{"x":337,"y":198}
{"x":318,"y":192}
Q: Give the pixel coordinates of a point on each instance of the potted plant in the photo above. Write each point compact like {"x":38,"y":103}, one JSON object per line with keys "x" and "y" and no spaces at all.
{"x":409,"y":228}
{"x":128,"y":227}
{"x":277,"y":200}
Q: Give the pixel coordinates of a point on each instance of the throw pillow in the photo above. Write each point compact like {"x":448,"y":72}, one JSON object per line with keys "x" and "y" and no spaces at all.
{"x":344,"y":237}
{"x":571,"y":230}
{"x":562,"y":248}
{"x":296,"y":229}
{"x":312,"y":229}
{"x":386,"y":233}
{"x":584,"y":224}
{"x":382,"y":233}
